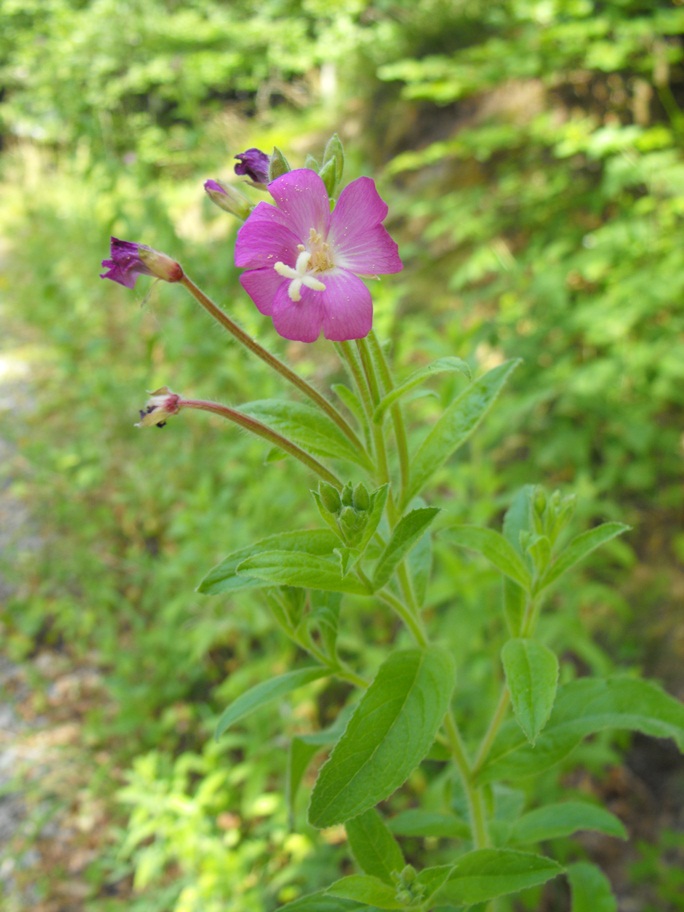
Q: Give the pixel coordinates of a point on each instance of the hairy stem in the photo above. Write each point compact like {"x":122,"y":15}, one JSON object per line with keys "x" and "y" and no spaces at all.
{"x":244,"y":339}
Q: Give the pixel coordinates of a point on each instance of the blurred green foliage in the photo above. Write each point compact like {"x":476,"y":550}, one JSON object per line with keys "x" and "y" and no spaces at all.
{"x":531,"y":154}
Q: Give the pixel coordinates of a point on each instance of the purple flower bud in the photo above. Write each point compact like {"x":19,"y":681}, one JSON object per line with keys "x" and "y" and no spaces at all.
{"x":129,"y":260}
{"x":253,"y":164}
{"x":304,"y":264}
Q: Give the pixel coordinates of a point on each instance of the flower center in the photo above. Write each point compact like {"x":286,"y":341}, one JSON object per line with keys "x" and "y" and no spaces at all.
{"x":314,"y":258}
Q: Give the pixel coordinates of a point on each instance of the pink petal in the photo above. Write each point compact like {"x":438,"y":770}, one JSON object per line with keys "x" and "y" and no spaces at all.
{"x":264,"y":239}
{"x":347,"y":307}
{"x":262,"y":285}
{"x":303,"y":201}
{"x":299,"y":321}
{"x":360,"y":242}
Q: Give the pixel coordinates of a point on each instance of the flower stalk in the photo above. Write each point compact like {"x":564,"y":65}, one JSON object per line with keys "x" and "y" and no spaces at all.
{"x":245,"y":339}
{"x":261,"y":430}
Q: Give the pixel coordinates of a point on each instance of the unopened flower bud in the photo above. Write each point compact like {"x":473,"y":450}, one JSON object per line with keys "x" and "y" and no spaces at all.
{"x":330,"y":497}
{"x":161,"y":405}
{"x":278,"y":166}
{"x":253,"y":164}
{"x":361,"y":498}
{"x":129,"y":260}
{"x":228,"y":199}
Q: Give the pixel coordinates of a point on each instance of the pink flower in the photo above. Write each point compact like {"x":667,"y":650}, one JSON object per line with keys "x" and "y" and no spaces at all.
{"x":303,"y":262}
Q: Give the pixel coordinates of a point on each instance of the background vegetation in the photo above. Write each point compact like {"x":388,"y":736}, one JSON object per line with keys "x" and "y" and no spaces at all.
{"x":531,"y":154}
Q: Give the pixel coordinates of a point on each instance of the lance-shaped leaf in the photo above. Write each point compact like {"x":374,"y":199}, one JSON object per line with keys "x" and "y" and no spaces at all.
{"x":582,"y":708}
{"x":416,"y":822}
{"x":484,"y":874}
{"x":590,"y":889}
{"x":406,"y":533}
{"x":420,"y":376}
{"x":287,"y":568}
{"x":495,"y":548}
{"x":224,"y":576}
{"x":303,"y":748}
{"x":375,"y":849}
{"x":456,"y":425}
{"x":263,"y":693}
{"x":554,"y":821}
{"x":388,"y":735}
{"x":532,"y":677}
{"x":579,"y":548}
{"x":306,"y":426}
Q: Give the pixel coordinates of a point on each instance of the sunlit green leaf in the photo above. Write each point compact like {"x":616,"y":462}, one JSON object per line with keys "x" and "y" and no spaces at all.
{"x":373,"y":846}
{"x":579,"y":548}
{"x":263,"y":693}
{"x":553,"y":821}
{"x":388,"y":735}
{"x":582,"y":708}
{"x":455,"y":426}
{"x":487,"y":873}
{"x":406,"y":533}
{"x":531,"y":676}
{"x":224,"y":577}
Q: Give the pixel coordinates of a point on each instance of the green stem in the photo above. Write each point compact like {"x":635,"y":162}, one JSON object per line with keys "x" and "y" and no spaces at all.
{"x":396,"y":412}
{"x":221,"y":317}
{"x":494,"y":726}
{"x":474,"y":796}
{"x":376,"y":429}
{"x":413,"y":623}
{"x":261,"y":430}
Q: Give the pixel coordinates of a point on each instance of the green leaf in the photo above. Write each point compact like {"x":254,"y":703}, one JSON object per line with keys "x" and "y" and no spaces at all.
{"x":388,"y":735}
{"x":415,"y":822}
{"x":378,"y":499}
{"x":495,"y":548}
{"x":263,"y":693}
{"x":323,"y":902}
{"x":351,"y":400}
{"x":304,"y":747}
{"x":518,"y":517}
{"x":288,"y":568}
{"x":406,"y":533}
{"x":514,"y":602}
{"x":299,"y":756}
{"x":582,"y":708}
{"x":590,"y":888}
{"x":224,"y":576}
{"x":419,"y":564}
{"x":532,"y":677}
{"x":322,"y":622}
{"x":373,"y":846}
{"x":455,"y":426}
{"x":579,"y":548}
{"x":484,"y":874}
{"x":436,"y":367}
{"x":308,"y":427}
{"x":554,"y":821}
{"x":364,"y":888}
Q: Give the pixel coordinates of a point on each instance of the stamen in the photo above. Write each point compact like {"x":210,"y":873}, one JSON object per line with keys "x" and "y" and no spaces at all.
{"x":299,"y":276}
